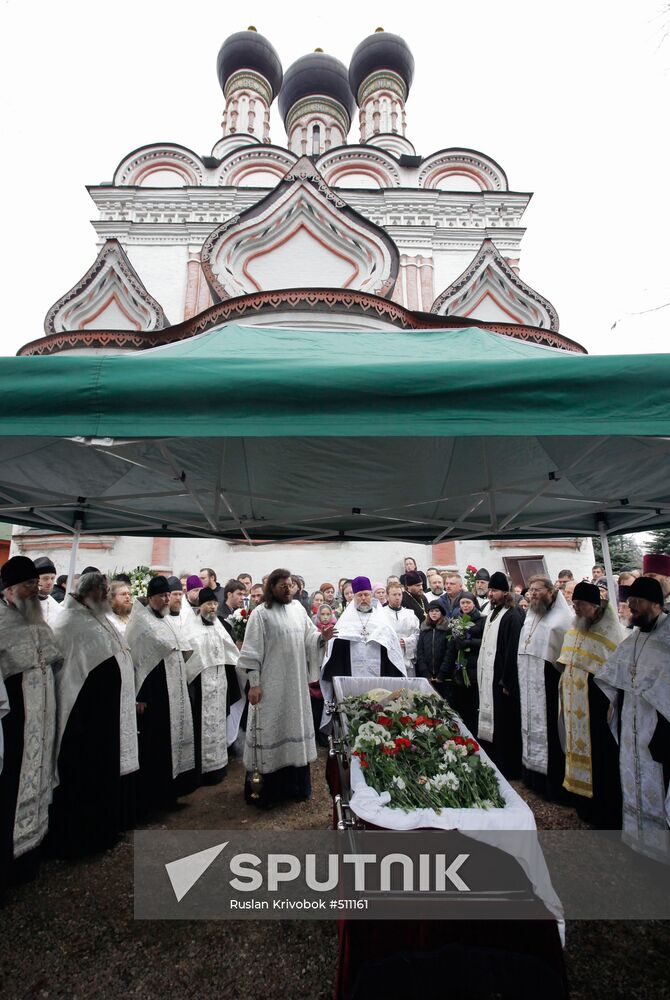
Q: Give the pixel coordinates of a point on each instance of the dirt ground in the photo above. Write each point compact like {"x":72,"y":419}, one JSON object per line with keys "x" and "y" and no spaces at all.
{"x":71,"y":933}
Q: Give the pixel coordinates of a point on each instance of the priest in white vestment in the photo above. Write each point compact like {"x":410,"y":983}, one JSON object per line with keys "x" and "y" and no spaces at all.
{"x":213,"y":652}
{"x":366,"y":645}
{"x":165,"y":720}
{"x":51,"y":609}
{"x":404,"y":623}
{"x":636,"y":679}
{"x":281,"y":653}
{"x":96,"y":742}
{"x":28,"y":657}
{"x":547,"y":620}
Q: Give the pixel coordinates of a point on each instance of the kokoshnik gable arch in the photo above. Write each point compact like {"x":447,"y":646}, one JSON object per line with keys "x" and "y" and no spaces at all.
{"x":300,"y":235}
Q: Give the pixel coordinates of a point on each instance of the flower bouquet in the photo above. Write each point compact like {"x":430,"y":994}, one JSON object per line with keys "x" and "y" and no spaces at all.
{"x":470,"y":576}
{"x":238,"y":621}
{"x":409,"y":745}
{"x":458,"y":628}
{"x":139,"y":580}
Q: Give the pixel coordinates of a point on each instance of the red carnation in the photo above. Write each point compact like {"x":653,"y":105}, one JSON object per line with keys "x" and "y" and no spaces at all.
{"x":402,"y":741}
{"x":383,"y":720}
{"x":390,"y":751}
{"x":404,"y":719}
{"x":472,"y":746}
{"x":472,"y":569}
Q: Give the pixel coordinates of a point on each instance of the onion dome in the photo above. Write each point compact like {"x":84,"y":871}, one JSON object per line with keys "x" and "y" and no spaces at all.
{"x":381,"y":51}
{"x":316,"y":73}
{"x":249,"y":50}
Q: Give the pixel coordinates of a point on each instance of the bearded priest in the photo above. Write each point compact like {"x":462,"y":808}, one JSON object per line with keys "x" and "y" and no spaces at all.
{"x":547,"y":620}
{"x":165,"y":723}
{"x":96,"y":741}
{"x":499,"y":722}
{"x":366,"y":644}
{"x":281,"y":653}
{"x":636,"y":679}
{"x":209,"y":670}
{"x":28,"y":657}
{"x":591,"y":754}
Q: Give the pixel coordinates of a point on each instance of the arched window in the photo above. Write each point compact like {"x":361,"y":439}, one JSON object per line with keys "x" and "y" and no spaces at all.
{"x":316,"y":140}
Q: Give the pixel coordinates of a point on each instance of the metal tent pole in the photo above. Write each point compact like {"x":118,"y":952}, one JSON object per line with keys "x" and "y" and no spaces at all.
{"x":612,"y":589}
{"x":73,"y":554}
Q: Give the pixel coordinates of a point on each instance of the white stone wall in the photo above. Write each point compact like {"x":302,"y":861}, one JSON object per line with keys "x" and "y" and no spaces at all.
{"x":163,"y":270}
{"x":315,"y":562}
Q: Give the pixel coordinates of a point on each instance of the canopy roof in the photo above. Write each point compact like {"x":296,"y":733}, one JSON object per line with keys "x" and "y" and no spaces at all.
{"x":266,"y":434}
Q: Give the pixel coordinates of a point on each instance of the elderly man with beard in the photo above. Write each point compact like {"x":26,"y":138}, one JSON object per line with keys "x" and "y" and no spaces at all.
{"x":636,"y":680}
{"x":28,"y":657}
{"x":404,"y":623}
{"x":547,"y":620}
{"x":166,"y":748}
{"x":499,"y":721}
{"x":213,"y":685}
{"x":96,"y":742}
{"x":281,"y":653}
{"x":591,"y":768}
{"x":366,"y":644}
{"x":482,"y":577}
{"x":51,"y":609}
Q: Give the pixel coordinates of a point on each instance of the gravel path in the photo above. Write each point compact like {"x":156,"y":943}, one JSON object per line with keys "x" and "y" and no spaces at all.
{"x":71,"y":934}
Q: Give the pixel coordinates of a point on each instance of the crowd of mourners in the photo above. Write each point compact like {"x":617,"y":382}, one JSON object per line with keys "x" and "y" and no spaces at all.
{"x":113,"y":706}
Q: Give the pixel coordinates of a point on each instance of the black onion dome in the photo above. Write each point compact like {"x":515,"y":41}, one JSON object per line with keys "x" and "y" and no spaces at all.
{"x":378,"y":52}
{"x":316,"y":73}
{"x":249,"y":50}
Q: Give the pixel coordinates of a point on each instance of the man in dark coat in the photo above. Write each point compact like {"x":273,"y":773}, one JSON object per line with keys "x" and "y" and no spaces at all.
{"x":499,"y":722}
{"x":414,"y":597}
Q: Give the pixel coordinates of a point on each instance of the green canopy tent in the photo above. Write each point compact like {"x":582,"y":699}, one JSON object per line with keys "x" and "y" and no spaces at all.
{"x":270,"y":434}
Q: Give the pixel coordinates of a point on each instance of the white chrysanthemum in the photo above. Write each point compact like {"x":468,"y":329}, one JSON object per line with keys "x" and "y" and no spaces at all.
{"x":450,"y":757}
{"x":451,"y":781}
{"x":423,"y":728}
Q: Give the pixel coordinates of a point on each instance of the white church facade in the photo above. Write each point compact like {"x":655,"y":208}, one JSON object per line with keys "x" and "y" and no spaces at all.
{"x":339,"y":225}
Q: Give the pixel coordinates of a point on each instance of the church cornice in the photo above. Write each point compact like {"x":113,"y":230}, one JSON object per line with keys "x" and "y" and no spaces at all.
{"x":319,"y":300}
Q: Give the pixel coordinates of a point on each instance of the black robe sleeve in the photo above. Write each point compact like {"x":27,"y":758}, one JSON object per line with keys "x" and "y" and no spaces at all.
{"x":659,"y":747}
{"x":508,"y":647}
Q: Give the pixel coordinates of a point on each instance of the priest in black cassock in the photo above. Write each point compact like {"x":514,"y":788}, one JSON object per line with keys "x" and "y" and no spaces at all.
{"x":96,"y":744}
{"x":165,"y":721}
{"x":365,"y":646}
{"x":28,"y":657}
{"x":499,"y":723}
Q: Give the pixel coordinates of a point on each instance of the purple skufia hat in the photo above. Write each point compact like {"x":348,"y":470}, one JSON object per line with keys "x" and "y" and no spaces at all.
{"x":193,"y":583}
{"x":360,"y":583}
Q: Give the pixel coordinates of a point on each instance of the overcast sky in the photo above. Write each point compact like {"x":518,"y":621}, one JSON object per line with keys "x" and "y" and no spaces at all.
{"x":571,"y":99}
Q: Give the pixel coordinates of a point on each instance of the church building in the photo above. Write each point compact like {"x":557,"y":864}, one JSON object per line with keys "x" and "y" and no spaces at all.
{"x":336,"y":225}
